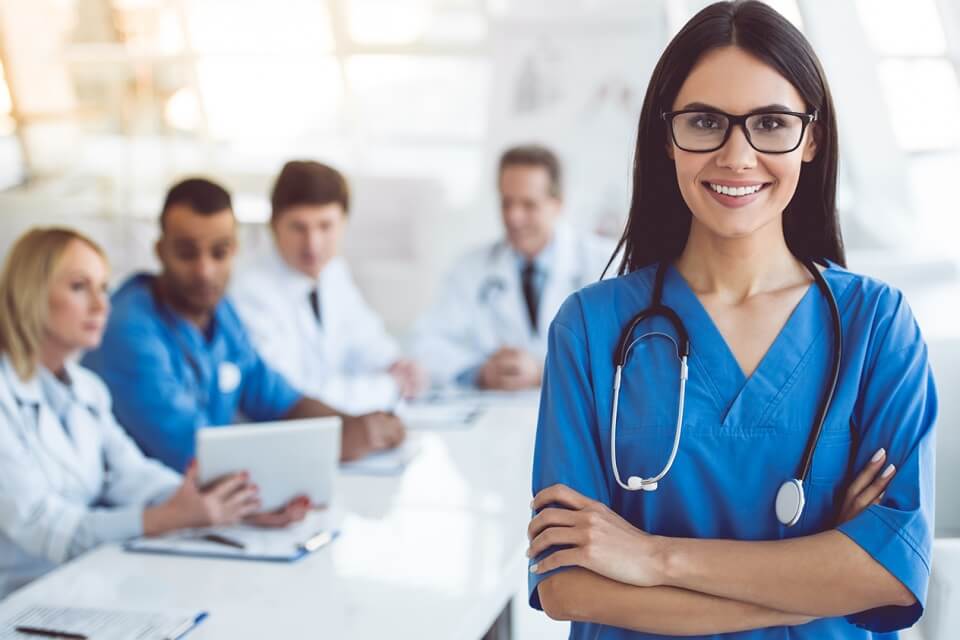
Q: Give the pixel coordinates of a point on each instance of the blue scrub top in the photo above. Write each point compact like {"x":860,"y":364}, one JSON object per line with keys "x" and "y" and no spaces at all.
{"x":168,"y":379}
{"x":743,"y":437}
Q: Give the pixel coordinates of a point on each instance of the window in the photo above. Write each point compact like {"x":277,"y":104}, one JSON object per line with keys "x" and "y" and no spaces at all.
{"x":921,"y":89}
{"x":920,"y":82}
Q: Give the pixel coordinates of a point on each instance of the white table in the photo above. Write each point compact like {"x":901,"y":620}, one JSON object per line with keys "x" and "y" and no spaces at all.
{"x":434,"y":553}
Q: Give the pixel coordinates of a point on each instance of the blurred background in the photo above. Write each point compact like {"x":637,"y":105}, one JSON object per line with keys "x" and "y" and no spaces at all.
{"x":104,"y":103}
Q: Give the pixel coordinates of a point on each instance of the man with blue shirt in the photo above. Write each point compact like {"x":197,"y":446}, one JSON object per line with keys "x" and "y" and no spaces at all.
{"x":177,"y":357}
{"x":488,"y":327}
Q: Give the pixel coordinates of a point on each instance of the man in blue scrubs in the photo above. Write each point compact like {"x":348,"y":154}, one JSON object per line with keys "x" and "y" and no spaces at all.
{"x":176,"y":356}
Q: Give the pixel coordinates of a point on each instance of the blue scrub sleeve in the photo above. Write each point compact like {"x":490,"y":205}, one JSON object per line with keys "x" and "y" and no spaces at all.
{"x":568,"y":449}
{"x":266,"y":395}
{"x":897,"y":410}
{"x":149,"y":400}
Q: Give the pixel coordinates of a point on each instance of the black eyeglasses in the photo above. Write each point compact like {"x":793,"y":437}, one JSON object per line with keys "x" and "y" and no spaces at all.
{"x":701,"y":131}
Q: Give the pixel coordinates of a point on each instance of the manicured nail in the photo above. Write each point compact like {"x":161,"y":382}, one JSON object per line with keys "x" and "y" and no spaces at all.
{"x":533,"y":568}
{"x":879,"y":454}
{"x":888,"y":471}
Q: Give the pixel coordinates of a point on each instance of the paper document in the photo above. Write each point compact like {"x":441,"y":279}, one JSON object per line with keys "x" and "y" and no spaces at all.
{"x":99,"y":624}
{"x":461,"y":395}
{"x":439,"y":416}
{"x":245,"y":541}
{"x":385,"y":463}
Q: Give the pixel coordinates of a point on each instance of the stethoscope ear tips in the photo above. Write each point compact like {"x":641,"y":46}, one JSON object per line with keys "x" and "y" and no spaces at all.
{"x":635,"y":483}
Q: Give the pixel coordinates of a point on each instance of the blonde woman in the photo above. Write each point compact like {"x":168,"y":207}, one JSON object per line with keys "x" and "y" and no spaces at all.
{"x":70,"y":478}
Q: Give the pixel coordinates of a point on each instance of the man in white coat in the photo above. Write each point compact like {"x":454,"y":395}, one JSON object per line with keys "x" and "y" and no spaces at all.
{"x":302,"y":308}
{"x":488,"y":327}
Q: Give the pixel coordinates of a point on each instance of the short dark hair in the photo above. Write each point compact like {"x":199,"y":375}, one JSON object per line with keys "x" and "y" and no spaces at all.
{"x":201,"y":195}
{"x":533,"y":155}
{"x":305,"y":182}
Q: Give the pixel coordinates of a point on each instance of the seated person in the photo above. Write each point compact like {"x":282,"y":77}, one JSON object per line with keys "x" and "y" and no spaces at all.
{"x":70,"y":478}
{"x":176,"y":356}
{"x":304,"y":313}
{"x":489,"y":325}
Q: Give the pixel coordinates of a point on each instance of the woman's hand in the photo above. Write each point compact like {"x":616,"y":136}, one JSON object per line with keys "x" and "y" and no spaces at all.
{"x":227,"y":500}
{"x":867,"y":488}
{"x":594,"y":538}
{"x":294,"y":511}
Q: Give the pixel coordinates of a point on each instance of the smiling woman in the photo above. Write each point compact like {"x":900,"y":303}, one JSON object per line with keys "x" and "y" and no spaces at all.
{"x":732,"y":222}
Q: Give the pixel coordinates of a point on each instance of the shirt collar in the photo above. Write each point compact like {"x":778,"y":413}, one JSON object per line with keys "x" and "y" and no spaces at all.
{"x":44,"y":387}
{"x":28,"y":391}
{"x":292,"y":280}
{"x":541,"y":261}
{"x":184,"y":327}
{"x":62,"y":394}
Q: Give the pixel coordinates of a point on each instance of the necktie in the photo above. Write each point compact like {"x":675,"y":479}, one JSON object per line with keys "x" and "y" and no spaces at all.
{"x":315,"y":304}
{"x":530,"y":293}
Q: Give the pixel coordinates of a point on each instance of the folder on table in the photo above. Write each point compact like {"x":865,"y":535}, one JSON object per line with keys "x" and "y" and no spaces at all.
{"x":245,"y":542}
{"x":98,"y":624}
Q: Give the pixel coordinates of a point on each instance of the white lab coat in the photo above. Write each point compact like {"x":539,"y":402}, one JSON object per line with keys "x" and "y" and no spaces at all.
{"x":65,"y":490}
{"x":481,"y":307}
{"x":342,"y":361}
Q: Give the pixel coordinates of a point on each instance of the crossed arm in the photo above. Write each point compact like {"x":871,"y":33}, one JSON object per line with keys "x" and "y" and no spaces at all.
{"x":626,"y":578}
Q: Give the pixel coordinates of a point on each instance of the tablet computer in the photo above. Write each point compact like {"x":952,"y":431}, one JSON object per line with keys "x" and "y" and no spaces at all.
{"x":284,"y":459}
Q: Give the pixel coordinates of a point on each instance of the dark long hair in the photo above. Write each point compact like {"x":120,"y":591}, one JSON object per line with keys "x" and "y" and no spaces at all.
{"x":659,"y":220}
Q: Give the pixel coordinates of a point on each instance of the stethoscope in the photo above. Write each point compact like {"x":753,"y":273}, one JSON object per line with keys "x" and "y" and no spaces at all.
{"x":790,"y":497}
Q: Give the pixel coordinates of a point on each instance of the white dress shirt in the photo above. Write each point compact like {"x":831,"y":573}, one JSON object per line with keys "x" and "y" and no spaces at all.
{"x":342,"y":358}
{"x":481,"y":306}
{"x":70,"y":478}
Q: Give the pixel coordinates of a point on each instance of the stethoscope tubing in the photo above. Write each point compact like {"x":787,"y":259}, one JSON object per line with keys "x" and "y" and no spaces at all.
{"x":682,"y":344}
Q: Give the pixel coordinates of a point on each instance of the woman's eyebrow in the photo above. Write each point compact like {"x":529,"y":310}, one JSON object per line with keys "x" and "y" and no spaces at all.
{"x":707,"y":107}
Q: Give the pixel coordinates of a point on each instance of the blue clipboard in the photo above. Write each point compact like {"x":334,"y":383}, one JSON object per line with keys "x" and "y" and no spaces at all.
{"x":242,"y":542}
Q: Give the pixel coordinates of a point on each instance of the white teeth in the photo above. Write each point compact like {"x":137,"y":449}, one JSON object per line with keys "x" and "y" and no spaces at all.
{"x":737,"y":192}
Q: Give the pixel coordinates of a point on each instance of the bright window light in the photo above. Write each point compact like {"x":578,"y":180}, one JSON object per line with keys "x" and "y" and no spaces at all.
{"x":924,"y":100}
{"x":182,"y":110}
{"x":257,"y":97}
{"x":263,"y":27}
{"x":420,"y":95}
{"x":6,"y":105}
{"x":898,"y":28}
{"x":456,"y":26}
{"x":387,"y":21}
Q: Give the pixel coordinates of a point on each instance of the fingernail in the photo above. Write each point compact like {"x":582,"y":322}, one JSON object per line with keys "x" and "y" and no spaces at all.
{"x":531,"y":504}
{"x":879,"y":454}
{"x":533,"y":568}
{"x":888,"y":471}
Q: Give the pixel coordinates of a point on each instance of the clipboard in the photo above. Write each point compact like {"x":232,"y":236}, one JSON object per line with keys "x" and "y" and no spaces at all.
{"x":244,"y":542}
{"x":109,"y":624}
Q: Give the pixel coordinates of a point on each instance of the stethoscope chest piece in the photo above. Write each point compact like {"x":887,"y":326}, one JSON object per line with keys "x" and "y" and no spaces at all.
{"x":790,"y":501}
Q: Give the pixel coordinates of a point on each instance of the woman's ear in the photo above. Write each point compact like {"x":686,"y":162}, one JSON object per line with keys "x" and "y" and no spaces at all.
{"x":669,"y":149}
{"x":810,"y":146}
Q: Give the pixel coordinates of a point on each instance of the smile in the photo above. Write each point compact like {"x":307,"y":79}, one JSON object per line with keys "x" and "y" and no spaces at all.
{"x":736,"y":192}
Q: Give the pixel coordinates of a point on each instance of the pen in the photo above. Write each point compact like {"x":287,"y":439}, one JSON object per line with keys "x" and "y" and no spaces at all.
{"x":317,"y":541}
{"x":49,"y":633}
{"x":219,"y":539}
{"x":186,"y":626}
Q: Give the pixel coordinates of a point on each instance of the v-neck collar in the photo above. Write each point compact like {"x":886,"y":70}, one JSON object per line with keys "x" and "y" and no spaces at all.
{"x":744,"y":402}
